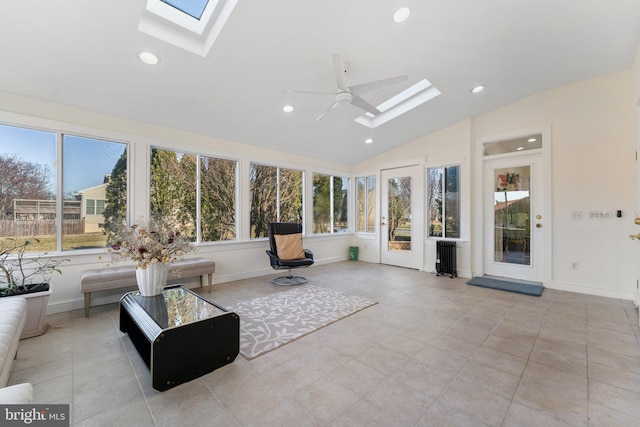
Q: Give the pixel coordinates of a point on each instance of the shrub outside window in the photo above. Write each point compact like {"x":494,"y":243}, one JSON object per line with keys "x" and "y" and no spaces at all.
{"x":443,"y":202}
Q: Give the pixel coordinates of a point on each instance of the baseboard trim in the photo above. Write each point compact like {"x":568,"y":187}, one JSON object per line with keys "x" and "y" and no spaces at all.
{"x":590,"y":290}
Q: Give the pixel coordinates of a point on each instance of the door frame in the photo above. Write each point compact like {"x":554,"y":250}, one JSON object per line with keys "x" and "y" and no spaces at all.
{"x":418,"y":201}
{"x":478,"y":204}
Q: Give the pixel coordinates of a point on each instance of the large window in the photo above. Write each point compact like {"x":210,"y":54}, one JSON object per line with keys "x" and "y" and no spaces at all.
{"x":276,"y":195}
{"x":173,"y":191}
{"x":330,"y":204}
{"x":443,"y":204}
{"x":88,"y":167}
{"x":217,"y":199}
{"x":29,"y":204}
{"x":174,"y":194}
{"x":366,"y":204}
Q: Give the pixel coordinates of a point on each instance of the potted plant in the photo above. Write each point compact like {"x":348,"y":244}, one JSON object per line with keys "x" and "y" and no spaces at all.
{"x":25,"y":275}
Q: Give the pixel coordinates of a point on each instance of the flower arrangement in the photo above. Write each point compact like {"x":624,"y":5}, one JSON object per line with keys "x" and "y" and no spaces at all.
{"x":147,"y":244}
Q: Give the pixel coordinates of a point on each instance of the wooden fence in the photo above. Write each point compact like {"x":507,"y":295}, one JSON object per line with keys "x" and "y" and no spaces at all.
{"x":46,"y":227}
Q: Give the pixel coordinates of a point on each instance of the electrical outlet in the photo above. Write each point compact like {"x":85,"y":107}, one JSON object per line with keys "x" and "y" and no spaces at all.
{"x":574,"y":265}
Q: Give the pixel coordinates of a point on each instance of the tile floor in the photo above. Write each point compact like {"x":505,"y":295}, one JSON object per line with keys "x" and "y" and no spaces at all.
{"x":434,"y":351}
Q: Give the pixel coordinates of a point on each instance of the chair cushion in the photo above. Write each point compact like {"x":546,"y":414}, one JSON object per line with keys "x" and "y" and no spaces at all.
{"x":289,"y":246}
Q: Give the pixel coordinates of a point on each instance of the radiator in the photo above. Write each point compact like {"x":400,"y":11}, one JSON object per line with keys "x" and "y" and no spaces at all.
{"x":446,"y":258}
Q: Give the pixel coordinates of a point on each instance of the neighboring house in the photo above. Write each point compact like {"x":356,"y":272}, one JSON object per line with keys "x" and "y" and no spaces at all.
{"x":93,"y":201}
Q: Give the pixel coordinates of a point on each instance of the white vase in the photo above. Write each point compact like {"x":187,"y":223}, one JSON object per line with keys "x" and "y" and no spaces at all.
{"x":152,"y":280}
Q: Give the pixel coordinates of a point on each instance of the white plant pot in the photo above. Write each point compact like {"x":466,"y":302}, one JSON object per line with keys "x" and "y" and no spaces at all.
{"x":36,"y":310}
{"x":152,"y":280}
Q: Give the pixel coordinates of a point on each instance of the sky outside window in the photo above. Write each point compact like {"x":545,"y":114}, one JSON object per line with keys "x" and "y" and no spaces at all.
{"x":193,"y":8}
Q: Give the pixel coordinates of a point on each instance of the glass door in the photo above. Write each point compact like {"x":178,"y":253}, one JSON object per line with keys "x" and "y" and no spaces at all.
{"x":513,"y":207}
{"x":400,"y":225}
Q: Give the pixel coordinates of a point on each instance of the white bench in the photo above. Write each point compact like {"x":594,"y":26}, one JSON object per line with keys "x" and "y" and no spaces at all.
{"x":109,"y":278}
{"x":12,"y":321}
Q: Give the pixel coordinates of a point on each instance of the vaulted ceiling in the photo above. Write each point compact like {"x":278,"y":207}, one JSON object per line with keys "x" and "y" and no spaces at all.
{"x":85,"y":54}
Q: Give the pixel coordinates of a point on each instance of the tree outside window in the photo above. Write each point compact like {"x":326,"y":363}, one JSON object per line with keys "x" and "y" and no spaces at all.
{"x":218,"y":199}
{"x":173,"y":191}
{"x":330,"y":204}
{"x":29,"y":205}
{"x":365,"y":207}
{"x":28,"y":202}
{"x":443,"y":204}
{"x":276,"y":195}
{"x":175,"y":188}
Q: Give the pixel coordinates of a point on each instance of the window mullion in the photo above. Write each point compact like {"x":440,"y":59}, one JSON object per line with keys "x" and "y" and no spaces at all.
{"x":198,"y":202}
{"x":59,"y":195}
{"x":444,"y":202}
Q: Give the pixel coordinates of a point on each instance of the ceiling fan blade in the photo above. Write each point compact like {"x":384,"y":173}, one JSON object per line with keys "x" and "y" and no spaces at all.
{"x":325,"y":112}
{"x":377,"y":84}
{"x":361,"y":103}
{"x":309,"y":92}
{"x":340,"y":71}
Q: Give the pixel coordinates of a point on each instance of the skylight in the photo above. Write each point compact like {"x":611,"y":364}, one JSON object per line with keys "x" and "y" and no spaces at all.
{"x":399,"y":104}
{"x":192,"y":8}
{"x":193,"y":25}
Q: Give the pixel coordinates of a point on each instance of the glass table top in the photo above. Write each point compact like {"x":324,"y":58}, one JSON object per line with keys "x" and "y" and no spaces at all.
{"x":177,"y":306}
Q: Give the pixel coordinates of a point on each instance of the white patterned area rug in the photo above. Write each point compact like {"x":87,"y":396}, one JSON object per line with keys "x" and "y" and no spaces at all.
{"x":269,"y":322}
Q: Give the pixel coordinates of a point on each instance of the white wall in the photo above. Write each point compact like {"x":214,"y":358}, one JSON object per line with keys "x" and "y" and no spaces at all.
{"x":593,"y":169}
{"x":449,"y":146}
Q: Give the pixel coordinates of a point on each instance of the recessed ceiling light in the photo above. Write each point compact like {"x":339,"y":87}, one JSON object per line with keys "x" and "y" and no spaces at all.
{"x":401,"y":14}
{"x":368,"y":140}
{"x":531,"y":140}
{"x":477,"y":89}
{"x":519,"y":148}
{"x":287,"y":108}
{"x":148,"y":58}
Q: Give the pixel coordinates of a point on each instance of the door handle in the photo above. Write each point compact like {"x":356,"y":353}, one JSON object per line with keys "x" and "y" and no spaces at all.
{"x":538,"y":225}
{"x":634,"y":236}
{"x":383,"y":223}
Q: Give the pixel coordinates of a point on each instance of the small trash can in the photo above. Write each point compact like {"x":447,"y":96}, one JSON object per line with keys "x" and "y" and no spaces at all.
{"x":353,"y":253}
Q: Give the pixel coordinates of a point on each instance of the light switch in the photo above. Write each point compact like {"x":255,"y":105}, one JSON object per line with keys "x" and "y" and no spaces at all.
{"x":577,"y":215}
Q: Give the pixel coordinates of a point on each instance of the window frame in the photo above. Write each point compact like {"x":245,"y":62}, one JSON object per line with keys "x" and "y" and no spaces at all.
{"x":367,"y":203}
{"x":60,"y":130}
{"x":278,"y":203}
{"x":443,"y":168}
{"x":198,"y":191}
{"x":332,"y":208}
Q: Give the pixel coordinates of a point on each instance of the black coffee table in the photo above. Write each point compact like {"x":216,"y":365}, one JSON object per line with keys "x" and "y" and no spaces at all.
{"x":179,"y":335}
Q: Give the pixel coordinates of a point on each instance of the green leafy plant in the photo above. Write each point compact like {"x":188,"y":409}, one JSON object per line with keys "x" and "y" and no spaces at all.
{"x":20,"y":269}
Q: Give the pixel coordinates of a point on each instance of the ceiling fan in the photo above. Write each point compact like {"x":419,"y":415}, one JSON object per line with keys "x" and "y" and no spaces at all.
{"x":346,"y":94}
